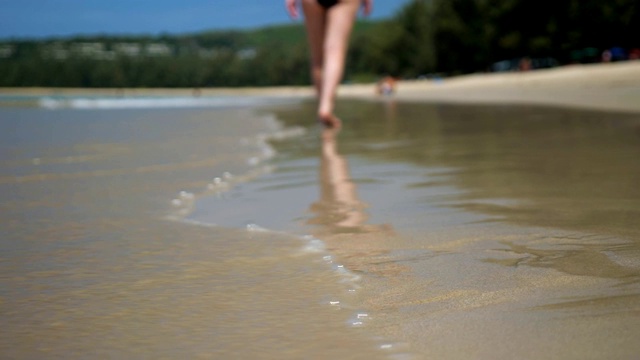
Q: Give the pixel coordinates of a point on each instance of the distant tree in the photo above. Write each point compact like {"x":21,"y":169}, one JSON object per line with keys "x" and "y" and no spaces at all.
{"x":425,"y":36}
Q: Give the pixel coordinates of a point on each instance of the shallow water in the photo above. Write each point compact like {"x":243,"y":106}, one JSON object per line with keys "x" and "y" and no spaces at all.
{"x":485,"y":231}
{"x":418,"y":231}
{"x":96,"y":262}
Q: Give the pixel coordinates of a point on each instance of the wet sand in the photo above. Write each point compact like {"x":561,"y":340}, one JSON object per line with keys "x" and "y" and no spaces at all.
{"x":484,"y":231}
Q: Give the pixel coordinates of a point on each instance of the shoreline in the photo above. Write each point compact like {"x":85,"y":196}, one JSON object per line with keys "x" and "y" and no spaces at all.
{"x":605,"y":87}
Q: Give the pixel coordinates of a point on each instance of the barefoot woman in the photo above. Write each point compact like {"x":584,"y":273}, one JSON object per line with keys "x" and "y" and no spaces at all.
{"x":329,"y":24}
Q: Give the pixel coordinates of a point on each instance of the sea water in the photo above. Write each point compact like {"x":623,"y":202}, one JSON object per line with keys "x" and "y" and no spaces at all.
{"x":99,"y":257}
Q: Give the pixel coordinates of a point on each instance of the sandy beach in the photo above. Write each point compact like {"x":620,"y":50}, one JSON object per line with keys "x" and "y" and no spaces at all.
{"x":613,"y":87}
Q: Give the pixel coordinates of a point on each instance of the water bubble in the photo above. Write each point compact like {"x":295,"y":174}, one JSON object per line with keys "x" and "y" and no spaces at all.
{"x":340,"y":269}
{"x":217,"y":181}
{"x":227,"y":175}
{"x":186,"y":195}
{"x":359,"y":319}
{"x":253,"y":161}
{"x":315,"y":245}
{"x":386,"y":346}
{"x":176,"y":202}
{"x":254,"y":227}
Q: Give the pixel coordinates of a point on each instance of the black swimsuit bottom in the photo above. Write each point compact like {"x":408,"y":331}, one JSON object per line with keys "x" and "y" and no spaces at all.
{"x":327,"y":3}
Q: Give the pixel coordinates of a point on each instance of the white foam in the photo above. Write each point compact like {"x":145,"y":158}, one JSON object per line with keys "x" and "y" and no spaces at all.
{"x":256,"y":228}
{"x":313,"y":245}
{"x":151,"y":102}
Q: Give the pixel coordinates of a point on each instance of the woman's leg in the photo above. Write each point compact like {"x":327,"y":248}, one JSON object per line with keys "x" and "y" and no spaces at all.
{"x":339,"y":23}
{"x":328,"y":34}
{"x":315,"y":20}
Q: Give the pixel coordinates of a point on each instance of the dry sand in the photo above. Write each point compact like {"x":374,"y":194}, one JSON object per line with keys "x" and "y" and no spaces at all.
{"x":613,"y":87}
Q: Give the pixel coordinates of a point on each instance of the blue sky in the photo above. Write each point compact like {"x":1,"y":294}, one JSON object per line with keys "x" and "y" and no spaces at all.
{"x":46,"y":18}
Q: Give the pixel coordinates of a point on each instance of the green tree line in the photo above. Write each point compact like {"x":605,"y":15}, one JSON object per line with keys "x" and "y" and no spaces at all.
{"x":425,"y":37}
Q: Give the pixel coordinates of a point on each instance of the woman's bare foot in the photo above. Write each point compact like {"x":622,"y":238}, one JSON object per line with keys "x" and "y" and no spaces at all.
{"x":330,"y":121}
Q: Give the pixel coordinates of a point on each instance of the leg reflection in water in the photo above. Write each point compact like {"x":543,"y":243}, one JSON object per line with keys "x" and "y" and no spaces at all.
{"x":339,"y":209}
{"x":340,"y":218}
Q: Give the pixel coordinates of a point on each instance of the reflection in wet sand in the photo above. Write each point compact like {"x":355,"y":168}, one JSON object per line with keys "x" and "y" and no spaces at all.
{"x":339,"y":207}
{"x":515,"y":228}
{"x":341,"y":222}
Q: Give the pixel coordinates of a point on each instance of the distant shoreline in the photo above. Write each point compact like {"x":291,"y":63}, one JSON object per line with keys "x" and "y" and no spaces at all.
{"x":282,"y":91}
{"x":607,"y":87}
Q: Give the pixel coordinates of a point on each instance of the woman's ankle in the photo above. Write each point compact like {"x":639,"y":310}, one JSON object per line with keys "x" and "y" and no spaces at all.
{"x":328,"y":119}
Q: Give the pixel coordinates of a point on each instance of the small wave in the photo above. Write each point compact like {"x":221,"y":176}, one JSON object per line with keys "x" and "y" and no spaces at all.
{"x":258,"y":165}
{"x":151,"y":102}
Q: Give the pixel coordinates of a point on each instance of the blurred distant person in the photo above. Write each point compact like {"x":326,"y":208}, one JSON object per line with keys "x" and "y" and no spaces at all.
{"x":386,"y":86}
{"x":329,"y":24}
{"x":525,"y":64}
